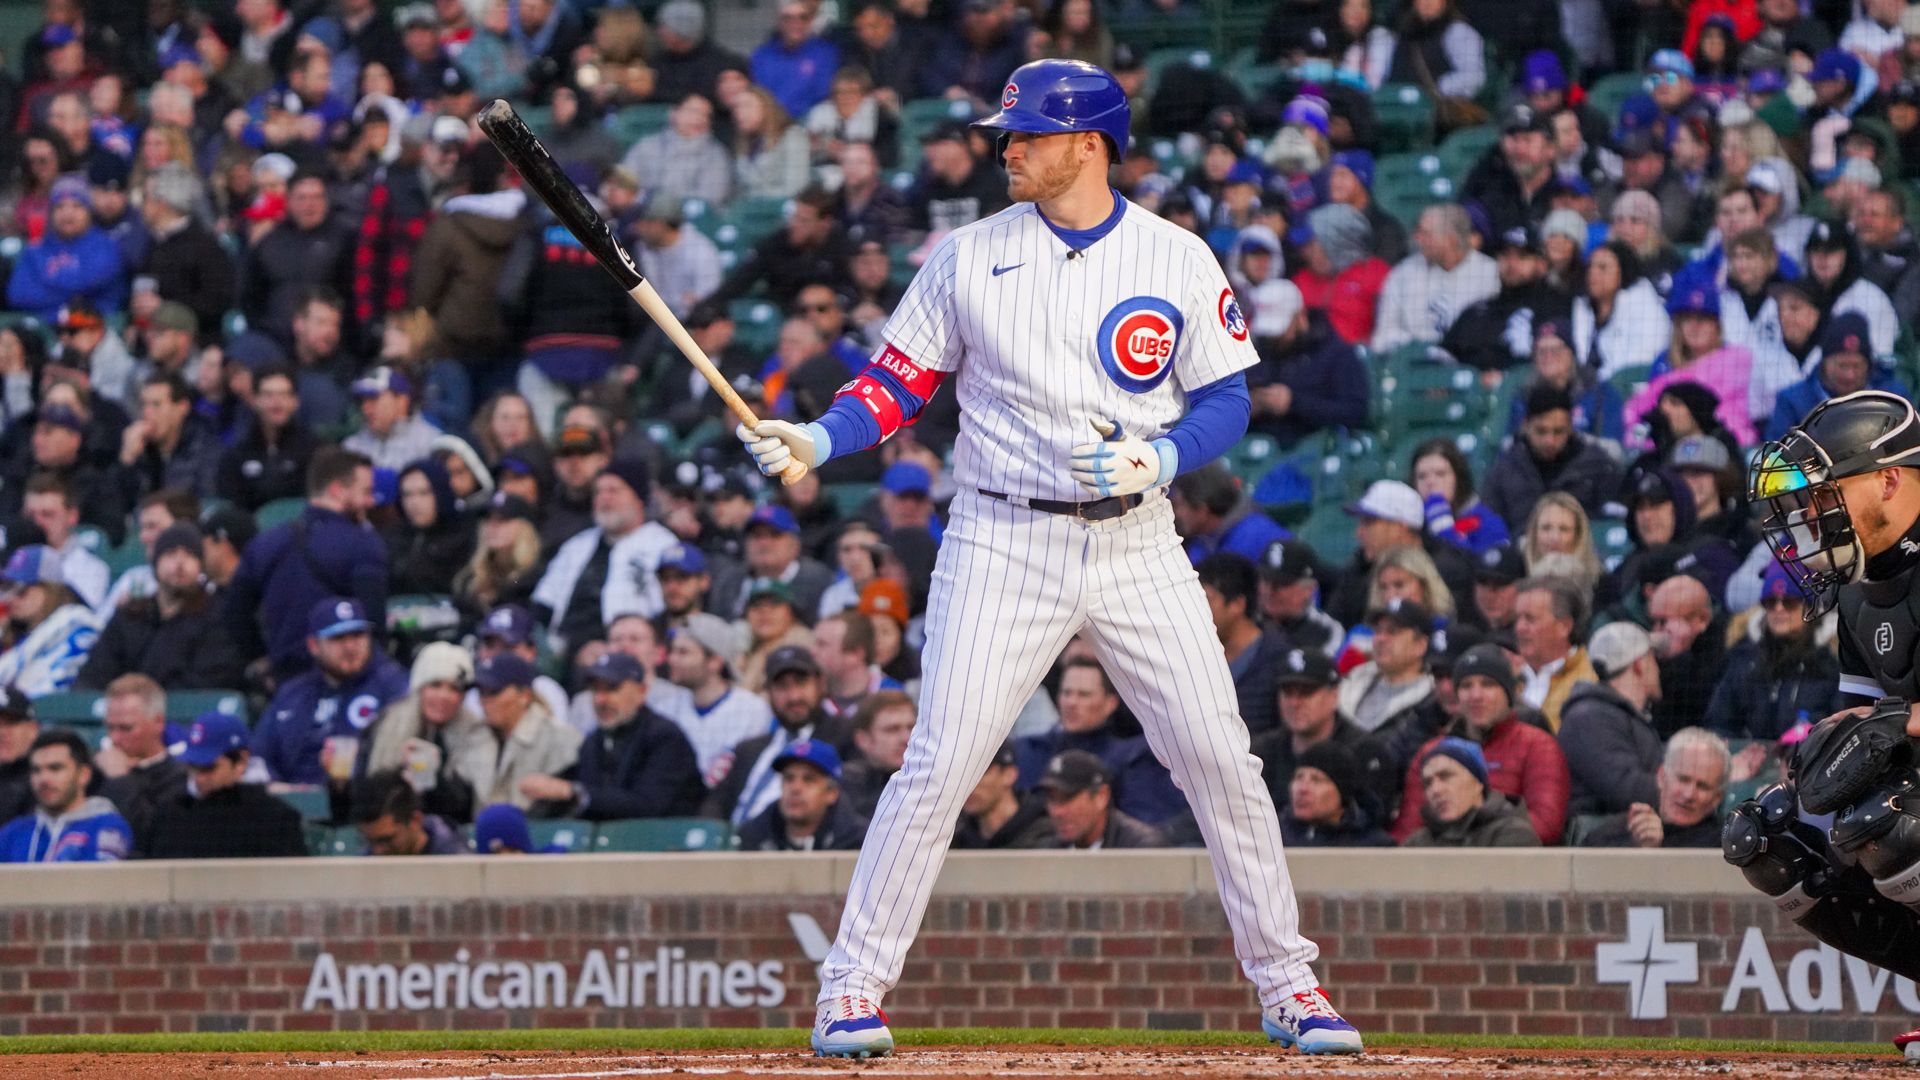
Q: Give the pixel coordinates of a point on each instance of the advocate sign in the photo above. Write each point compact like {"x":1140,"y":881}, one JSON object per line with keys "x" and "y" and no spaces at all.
{"x":1816,"y":979}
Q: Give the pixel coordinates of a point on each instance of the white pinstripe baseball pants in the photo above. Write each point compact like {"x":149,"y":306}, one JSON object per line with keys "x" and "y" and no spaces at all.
{"x":1011,"y":587}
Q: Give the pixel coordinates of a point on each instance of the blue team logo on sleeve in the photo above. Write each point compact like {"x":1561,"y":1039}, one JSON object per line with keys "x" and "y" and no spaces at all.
{"x":1137,"y":341}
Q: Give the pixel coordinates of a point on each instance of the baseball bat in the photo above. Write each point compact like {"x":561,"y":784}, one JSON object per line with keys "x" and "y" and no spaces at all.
{"x":521,"y":147}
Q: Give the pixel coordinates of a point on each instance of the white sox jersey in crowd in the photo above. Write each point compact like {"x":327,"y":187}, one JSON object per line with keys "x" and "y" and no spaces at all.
{"x":1042,"y":338}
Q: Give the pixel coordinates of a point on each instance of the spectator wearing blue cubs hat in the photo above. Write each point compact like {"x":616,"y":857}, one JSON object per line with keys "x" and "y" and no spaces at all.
{"x":773,"y":556}
{"x":393,"y":435}
{"x":810,"y":814}
{"x":509,"y":629}
{"x":535,"y":744}
{"x":1699,"y":354}
{"x":53,"y":630}
{"x":1460,"y":809}
{"x":221,"y":815}
{"x":315,"y":718}
{"x":637,"y":764}
{"x":1845,"y":365}
{"x":501,"y":829}
{"x":1778,"y":674}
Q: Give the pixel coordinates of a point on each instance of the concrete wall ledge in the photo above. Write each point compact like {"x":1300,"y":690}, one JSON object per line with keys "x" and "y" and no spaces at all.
{"x":1025,"y":873}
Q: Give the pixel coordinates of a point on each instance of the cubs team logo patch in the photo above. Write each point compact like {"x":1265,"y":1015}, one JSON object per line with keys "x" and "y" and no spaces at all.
{"x":1010,"y":96}
{"x":1234,"y":323}
{"x":1137,"y":341}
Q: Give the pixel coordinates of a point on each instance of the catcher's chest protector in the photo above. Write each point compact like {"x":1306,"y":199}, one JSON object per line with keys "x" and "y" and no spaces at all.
{"x":1883,"y":618}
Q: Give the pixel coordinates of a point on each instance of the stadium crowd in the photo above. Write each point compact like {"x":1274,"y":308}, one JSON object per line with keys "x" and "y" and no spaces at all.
{"x":302,"y":398}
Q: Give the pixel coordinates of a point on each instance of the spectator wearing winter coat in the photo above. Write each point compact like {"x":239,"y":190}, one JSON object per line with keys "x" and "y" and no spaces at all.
{"x":73,"y":259}
{"x":1310,"y":718}
{"x":637,"y":764}
{"x":997,"y":816}
{"x":1342,"y":276}
{"x":1548,"y":456}
{"x":139,"y":768}
{"x":307,"y":724}
{"x":810,"y":814}
{"x":184,"y":257}
{"x":1458,"y":806}
{"x":307,"y":249}
{"x":327,"y":551}
{"x":1781,"y":673}
{"x":1699,"y":354}
{"x":1606,"y":732}
{"x":1619,"y":321}
{"x":1308,"y":378}
{"x":168,"y":447}
{"x":53,"y":630}
{"x":176,"y":635}
{"x":67,"y":824}
{"x":393,"y":435}
{"x":1598,"y":408}
{"x":1691,"y":642}
{"x":456,"y":273}
{"x":1322,"y":808}
{"x":432,"y":539}
{"x":1690,"y":786}
{"x":432,"y":736}
{"x":1443,"y":478}
{"x":1521,"y":759}
{"x":1214,"y":515}
{"x":1142,"y":787}
{"x":1833,"y":263}
{"x":684,"y":160}
{"x":530,"y":740}
{"x":270,"y":459}
{"x":1844,"y":368}
{"x":1429,"y":289}
{"x":220,"y":815}
{"x":1514,"y":180}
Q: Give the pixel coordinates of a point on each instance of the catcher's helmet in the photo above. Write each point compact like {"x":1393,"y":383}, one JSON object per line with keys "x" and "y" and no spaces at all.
{"x":1046,"y":97}
{"x":1806,"y":523}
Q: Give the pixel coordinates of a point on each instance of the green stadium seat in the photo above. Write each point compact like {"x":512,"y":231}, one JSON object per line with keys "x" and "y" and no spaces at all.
{"x":1463,"y":148}
{"x":94,"y":539}
{"x":1191,"y":26}
{"x":663,"y":834}
{"x":1606,"y":95}
{"x":312,"y":802}
{"x":1160,"y":60}
{"x":125,"y":557}
{"x":922,"y":115}
{"x":1405,"y":200}
{"x":538,"y":117}
{"x":329,"y":840}
{"x":71,"y":708}
{"x":569,"y":833}
{"x":1611,"y":541}
{"x":755,"y":218}
{"x":1403,"y":115}
{"x":1630,"y":380}
{"x":634,"y":122}
{"x":1329,"y":532}
{"x":278,"y":512}
{"x":184,"y":705}
{"x":1250,"y":74}
{"x":1408,"y":169}
{"x":756,"y":325}
{"x":1428,"y":394}
{"x":847,"y":498}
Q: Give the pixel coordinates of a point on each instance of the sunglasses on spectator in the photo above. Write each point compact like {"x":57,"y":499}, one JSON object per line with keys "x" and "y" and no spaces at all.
{"x":1663,"y":78}
{"x":1771,"y":602}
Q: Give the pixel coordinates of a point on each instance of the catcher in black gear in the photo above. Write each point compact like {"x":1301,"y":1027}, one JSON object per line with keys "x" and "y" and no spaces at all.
{"x":1842,"y":498}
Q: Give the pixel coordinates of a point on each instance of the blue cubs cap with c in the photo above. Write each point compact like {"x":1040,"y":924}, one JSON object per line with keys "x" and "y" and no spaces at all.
{"x":815,"y":752}
{"x":337,"y":615}
{"x":684,"y":559}
{"x":501,"y":670}
{"x":510,"y":623}
{"x":778,"y":517}
{"x":212,"y":736}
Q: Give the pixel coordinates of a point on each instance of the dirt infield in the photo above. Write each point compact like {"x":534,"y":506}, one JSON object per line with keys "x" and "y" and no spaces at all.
{"x":1021,"y":1061}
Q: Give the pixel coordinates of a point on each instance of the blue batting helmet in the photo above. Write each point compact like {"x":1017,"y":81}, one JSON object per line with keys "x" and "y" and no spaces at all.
{"x":1050,"y":96}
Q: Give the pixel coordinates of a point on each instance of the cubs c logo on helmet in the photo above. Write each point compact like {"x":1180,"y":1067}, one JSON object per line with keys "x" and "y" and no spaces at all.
{"x":1231,"y":320}
{"x":1010,"y":96}
{"x":1137,"y":341}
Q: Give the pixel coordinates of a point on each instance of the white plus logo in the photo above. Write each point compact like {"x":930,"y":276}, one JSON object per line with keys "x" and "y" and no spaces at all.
{"x":1647,"y":963}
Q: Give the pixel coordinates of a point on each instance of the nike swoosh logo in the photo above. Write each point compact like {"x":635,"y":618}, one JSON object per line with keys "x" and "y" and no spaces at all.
{"x":998,"y":270}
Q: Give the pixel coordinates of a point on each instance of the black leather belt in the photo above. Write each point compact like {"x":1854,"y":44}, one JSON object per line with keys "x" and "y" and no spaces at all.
{"x":1105,"y":509}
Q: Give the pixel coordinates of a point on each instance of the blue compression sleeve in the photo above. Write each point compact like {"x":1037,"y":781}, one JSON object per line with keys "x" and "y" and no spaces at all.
{"x":1216,"y":418}
{"x":851,"y":427}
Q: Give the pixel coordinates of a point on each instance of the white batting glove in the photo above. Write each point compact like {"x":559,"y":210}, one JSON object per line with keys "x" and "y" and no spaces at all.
{"x":773,"y":443}
{"x":1122,"y":464}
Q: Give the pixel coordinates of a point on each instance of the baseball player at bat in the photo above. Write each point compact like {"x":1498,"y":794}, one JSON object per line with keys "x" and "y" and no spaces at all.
{"x":1097,"y":353}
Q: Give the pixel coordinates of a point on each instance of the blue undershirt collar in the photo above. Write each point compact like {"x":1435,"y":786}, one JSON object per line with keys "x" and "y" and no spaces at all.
{"x":1082,"y":239}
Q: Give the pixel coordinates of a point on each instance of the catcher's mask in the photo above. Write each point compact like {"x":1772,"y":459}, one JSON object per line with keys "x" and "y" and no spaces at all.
{"x":1806,"y":522}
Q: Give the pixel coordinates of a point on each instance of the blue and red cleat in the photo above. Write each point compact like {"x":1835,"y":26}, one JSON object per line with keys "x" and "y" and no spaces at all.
{"x":1308,"y":1020}
{"x":851,"y":1027}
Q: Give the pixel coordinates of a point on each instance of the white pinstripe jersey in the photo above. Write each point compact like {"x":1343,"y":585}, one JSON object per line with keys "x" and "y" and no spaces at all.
{"x":1040,"y":343}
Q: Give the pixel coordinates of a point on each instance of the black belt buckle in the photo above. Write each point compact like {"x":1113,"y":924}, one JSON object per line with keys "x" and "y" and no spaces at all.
{"x":1104,"y":509}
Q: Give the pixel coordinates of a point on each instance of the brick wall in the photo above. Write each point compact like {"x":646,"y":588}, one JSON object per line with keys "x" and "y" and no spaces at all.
{"x":1437,"y":963}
